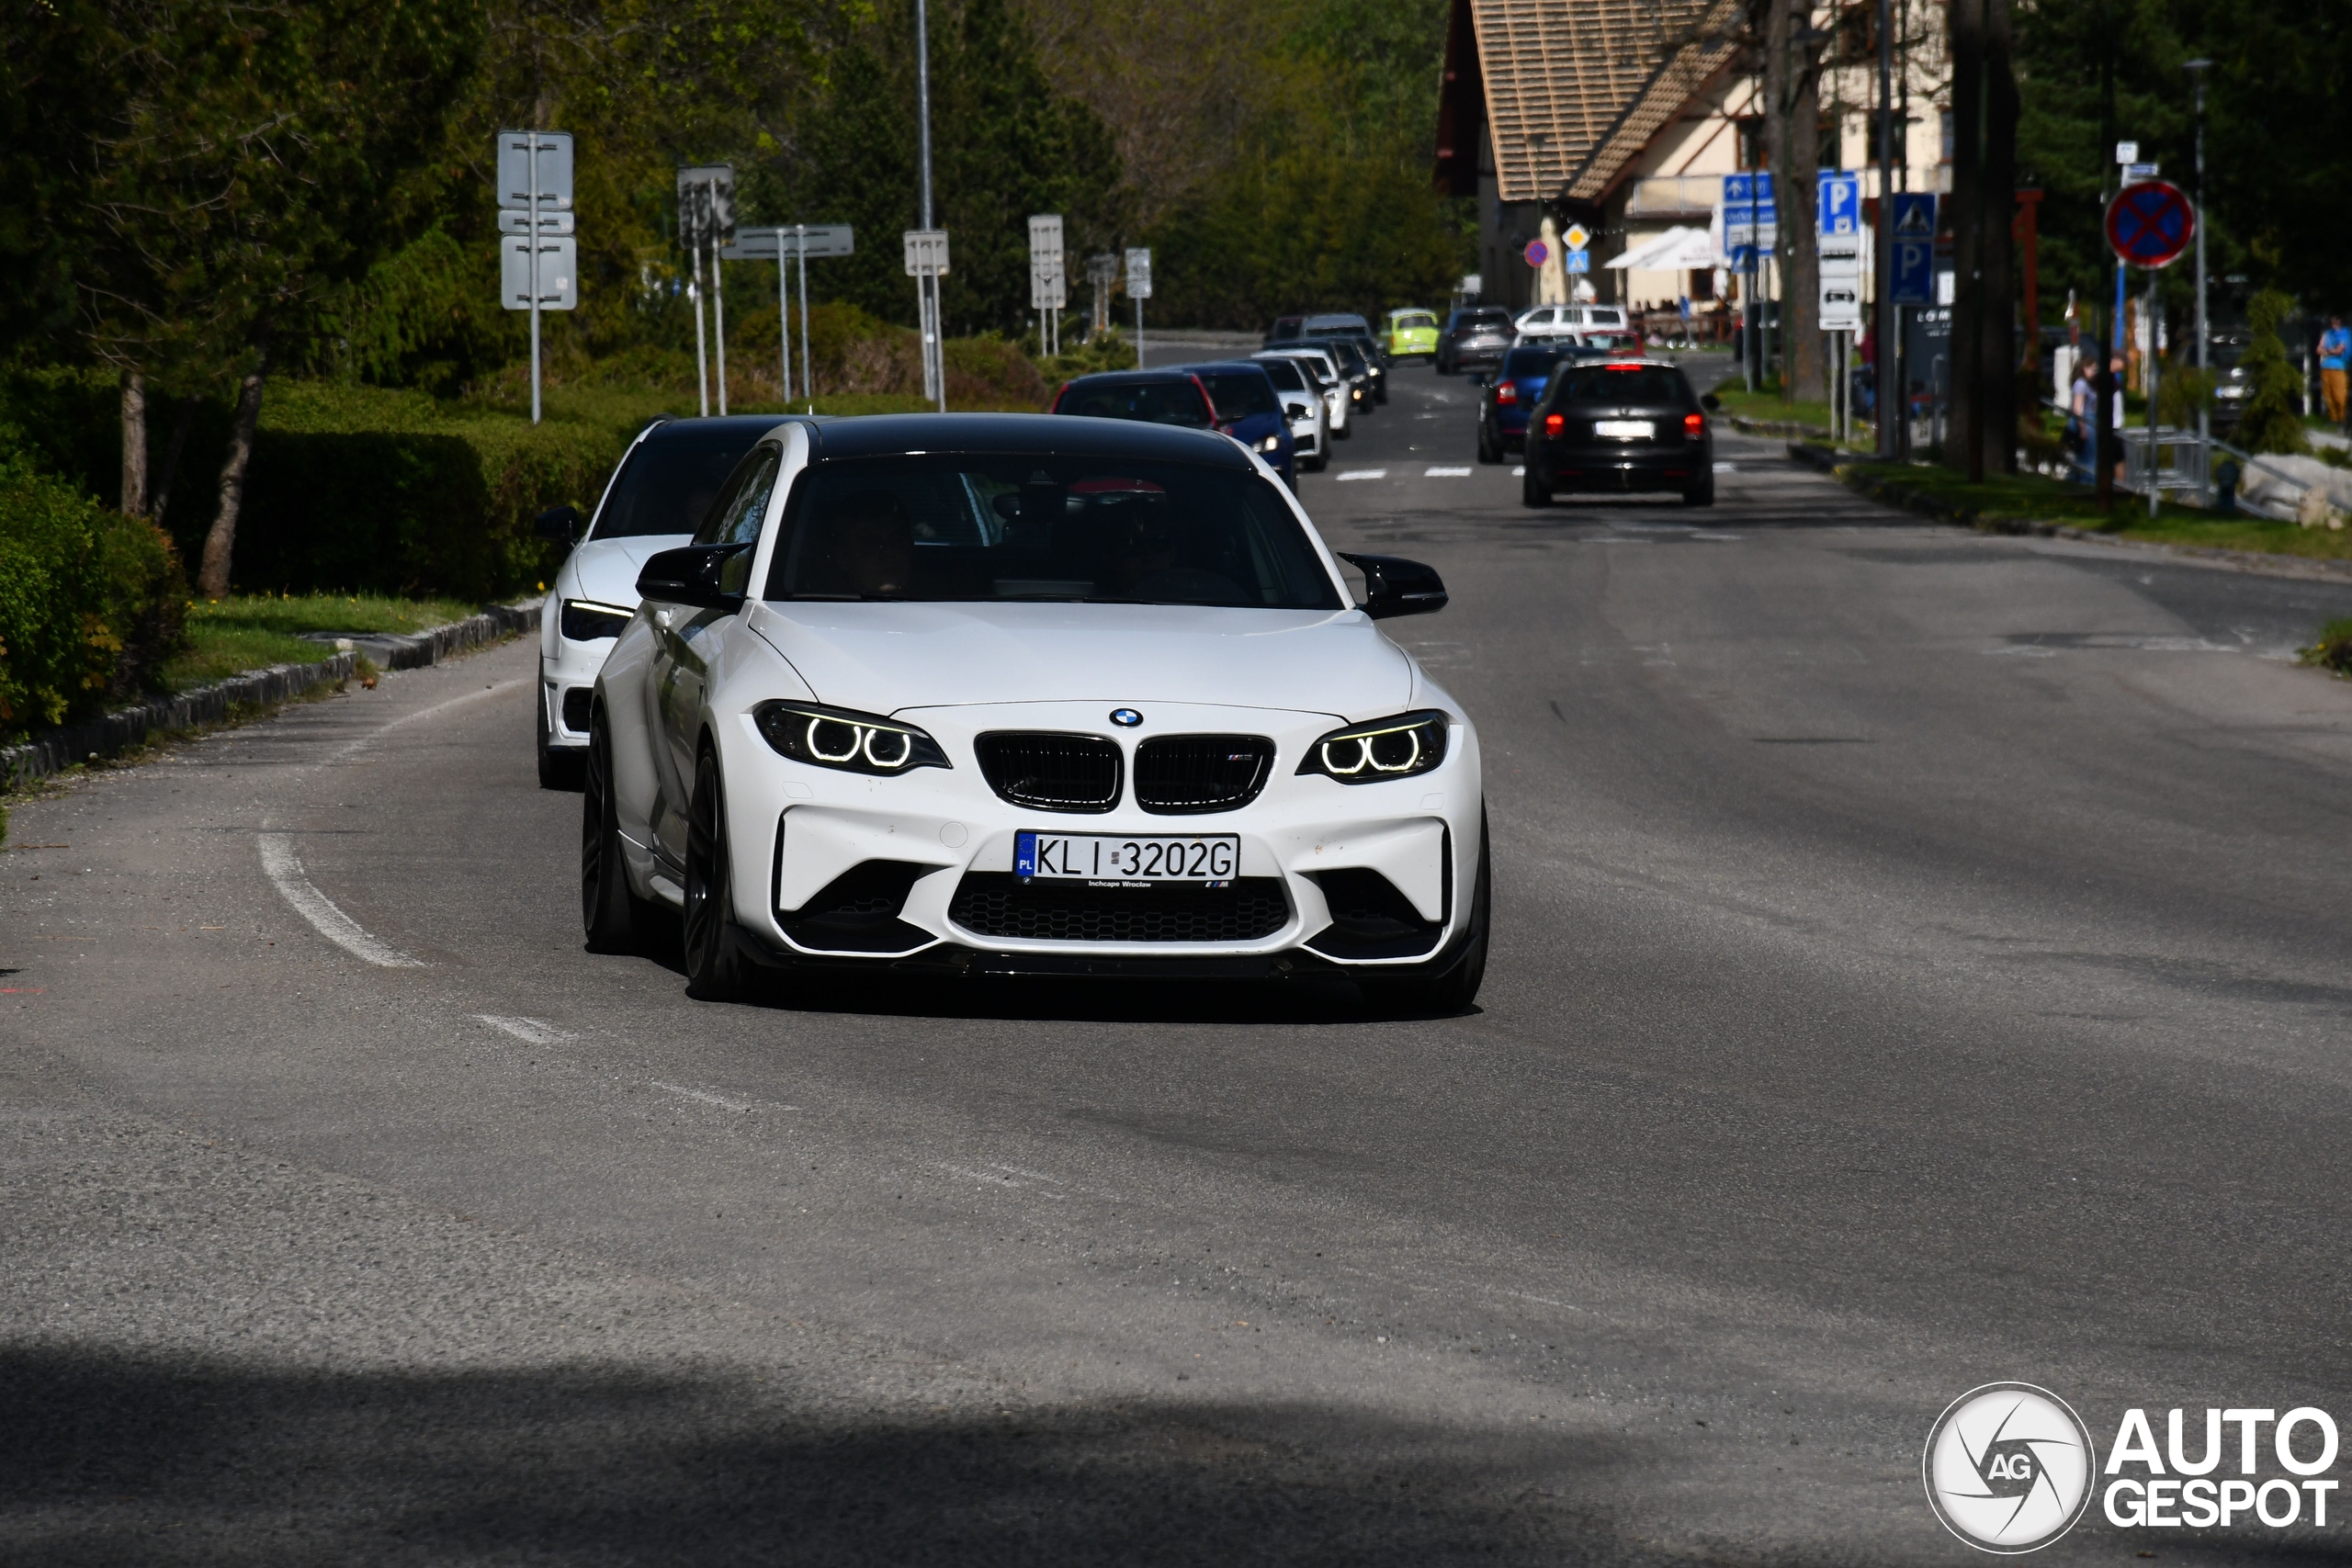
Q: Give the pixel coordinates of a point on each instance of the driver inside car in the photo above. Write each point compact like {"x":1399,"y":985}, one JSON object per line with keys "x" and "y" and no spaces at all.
{"x":868,"y":548}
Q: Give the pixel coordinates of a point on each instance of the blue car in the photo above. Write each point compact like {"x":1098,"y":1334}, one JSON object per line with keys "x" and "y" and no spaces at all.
{"x":1508,"y":395}
{"x":1236,"y":398}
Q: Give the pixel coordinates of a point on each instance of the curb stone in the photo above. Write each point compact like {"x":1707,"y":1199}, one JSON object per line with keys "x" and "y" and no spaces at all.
{"x":2260,"y":563}
{"x":111,"y":734}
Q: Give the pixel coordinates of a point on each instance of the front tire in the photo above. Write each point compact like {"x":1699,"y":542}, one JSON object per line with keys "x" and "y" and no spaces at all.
{"x":1452,"y":982}
{"x":715,"y":970}
{"x":608,"y":910}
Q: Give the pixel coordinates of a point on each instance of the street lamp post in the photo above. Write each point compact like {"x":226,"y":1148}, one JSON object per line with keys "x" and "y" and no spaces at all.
{"x":2196,"y":69}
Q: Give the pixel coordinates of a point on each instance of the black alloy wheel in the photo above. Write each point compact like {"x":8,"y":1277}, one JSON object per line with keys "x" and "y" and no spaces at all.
{"x":716,"y":971}
{"x":607,"y":909}
{"x":1490,"y":448}
{"x":1448,"y":984}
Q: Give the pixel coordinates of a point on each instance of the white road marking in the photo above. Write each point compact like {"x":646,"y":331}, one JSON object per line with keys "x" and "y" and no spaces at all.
{"x":1726,"y":468}
{"x":1447,"y":474}
{"x":279,"y":860}
{"x":442,"y":707}
{"x":705,"y":1096}
{"x":529,"y":1030}
{"x":1518,"y":473}
{"x":1364,"y":474}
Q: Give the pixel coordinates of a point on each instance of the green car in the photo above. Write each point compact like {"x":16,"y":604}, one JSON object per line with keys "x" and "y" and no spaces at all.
{"x":1413,"y":334}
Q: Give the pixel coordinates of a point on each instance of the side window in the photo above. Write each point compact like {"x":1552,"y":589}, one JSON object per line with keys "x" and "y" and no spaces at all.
{"x":735,"y":517}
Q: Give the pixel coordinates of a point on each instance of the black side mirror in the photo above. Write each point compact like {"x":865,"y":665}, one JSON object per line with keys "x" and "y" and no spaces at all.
{"x":697,"y":575}
{"x":1711,"y":403}
{"x":1395,"y":586}
{"x":559,"y":524}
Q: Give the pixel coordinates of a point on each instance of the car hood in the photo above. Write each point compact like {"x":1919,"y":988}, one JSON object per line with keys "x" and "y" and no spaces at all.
{"x":605,"y":569}
{"x":887,"y":658}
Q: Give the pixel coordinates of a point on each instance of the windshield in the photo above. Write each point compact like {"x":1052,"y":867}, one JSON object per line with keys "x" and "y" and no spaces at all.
{"x":1417,"y":321}
{"x":667,"y":482}
{"x":1154,"y":402}
{"x":962,"y":527}
{"x":1351,"y":356}
{"x":1317,"y":368}
{"x":1286,"y":375}
{"x":1490,"y":317}
{"x":1651,"y":384}
{"x":1238,"y":394}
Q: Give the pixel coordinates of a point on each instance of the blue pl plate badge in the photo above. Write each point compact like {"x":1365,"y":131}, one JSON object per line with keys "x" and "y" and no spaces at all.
{"x":1024,"y":855}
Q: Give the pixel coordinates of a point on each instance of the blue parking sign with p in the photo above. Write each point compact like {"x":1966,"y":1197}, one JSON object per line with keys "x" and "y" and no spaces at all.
{"x":1839,"y":203}
{"x":1915,"y":272}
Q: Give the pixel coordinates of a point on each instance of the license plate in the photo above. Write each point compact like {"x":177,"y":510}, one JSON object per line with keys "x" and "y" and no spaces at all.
{"x":1624,"y":429}
{"x":1113,"y":861}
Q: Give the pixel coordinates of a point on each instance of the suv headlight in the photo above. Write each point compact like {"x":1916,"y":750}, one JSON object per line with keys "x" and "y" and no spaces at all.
{"x":584,"y":620}
{"x":854,"y":742}
{"x":1385,"y":748}
{"x":1271,"y":444}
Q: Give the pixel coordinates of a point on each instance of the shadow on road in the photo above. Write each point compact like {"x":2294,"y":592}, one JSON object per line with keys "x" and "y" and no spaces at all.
{"x":108,"y":1460}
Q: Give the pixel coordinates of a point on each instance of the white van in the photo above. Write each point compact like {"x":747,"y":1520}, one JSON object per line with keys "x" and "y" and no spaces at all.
{"x":1551,"y":321}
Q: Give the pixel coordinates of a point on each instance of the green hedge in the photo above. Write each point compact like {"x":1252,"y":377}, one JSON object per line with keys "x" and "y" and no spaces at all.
{"x":91,"y":602}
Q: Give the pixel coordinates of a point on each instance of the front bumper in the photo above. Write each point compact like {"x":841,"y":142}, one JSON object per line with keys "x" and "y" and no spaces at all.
{"x":567,"y":687}
{"x":917,"y":870}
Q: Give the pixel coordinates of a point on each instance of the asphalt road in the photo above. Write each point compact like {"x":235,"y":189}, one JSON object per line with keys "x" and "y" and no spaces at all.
{"x":1919,"y":960}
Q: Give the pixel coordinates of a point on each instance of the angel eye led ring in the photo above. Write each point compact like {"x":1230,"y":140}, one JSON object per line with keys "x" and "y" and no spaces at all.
{"x":1368,"y":755}
{"x":861,"y":743}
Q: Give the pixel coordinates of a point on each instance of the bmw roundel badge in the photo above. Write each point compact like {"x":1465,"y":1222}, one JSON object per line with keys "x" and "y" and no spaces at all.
{"x":1125,"y":718}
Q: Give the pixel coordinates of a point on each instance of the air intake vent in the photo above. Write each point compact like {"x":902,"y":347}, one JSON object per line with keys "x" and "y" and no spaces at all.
{"x":1180,"y":773}
{"x":1051,"y":773}
{"x":997,"y":903}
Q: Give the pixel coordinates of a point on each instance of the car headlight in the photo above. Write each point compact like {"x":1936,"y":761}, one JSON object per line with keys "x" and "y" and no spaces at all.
{"x":854,"y":742}
{"x":1271,"y":444}
{"x":584,"y":620}
{"x":1385,"y":748}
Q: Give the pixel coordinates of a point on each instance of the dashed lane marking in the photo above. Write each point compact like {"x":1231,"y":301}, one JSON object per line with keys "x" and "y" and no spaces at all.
{"x":1447,"y":474}
{"x":529,"y":1030}
{"x":285,"y":869}
{"x":1363,"y":474}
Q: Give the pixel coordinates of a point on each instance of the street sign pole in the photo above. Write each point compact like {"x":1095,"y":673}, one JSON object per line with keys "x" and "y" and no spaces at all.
{"x":535,"y":277}
{"x":783,"y":317}
{"x":719,"y":318}
{"x":807,"y":377}
{"x":1139,"y":290}
{"x":2196,"y":69}
{"x":934,"y":370}
{"x":702,"y":349}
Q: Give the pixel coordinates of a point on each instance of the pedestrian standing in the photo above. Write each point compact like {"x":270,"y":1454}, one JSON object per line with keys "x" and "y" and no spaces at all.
{"x":2335,"y":359}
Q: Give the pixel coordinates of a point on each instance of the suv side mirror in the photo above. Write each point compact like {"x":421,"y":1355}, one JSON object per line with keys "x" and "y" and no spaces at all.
{"x":695,"y":575}
{"x":559,"y":523}
{"x":1711,"y":403}
{"x":1394,"y":586}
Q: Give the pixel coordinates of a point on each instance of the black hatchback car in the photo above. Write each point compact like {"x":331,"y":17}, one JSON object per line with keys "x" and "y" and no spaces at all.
{"x":1620,"y":424}
{"x":1477,"y":336}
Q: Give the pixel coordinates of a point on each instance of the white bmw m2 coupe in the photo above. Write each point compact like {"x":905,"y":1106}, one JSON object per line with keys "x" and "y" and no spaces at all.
{"x":996,"y":694}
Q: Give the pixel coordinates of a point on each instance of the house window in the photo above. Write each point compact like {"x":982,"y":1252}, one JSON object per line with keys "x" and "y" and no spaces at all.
{"x":1751,"y":143}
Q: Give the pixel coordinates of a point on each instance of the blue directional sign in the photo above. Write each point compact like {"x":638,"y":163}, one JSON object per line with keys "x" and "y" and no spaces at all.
{"x":1838,"y":203}
{"x":1748,"y":199}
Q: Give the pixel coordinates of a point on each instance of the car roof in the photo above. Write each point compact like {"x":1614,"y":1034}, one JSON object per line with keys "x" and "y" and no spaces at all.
{"x":1221,"y":364}
{"x":889,"y":434}
{"x":1159,"y":378}
{"x":749,"y":426}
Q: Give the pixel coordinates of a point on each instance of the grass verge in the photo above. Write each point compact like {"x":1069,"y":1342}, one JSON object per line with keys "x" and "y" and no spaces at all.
{"x":2334,"y":648}
{"x":2031,"y":498}
{"x":1772,"y":407}
{"x":228,"y":637}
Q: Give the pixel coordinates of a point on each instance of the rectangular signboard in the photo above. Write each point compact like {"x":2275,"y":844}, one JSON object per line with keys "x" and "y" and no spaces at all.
{"x":1841,"y":255}
{"x":513,"y":221}
{"x":1841,"y":306}
{"x":518,"y":150}
{"x":1915,"y":272}
{"x":1915,"y":215}
{"x":1838,"y":203}
{"x":1578,"y":261}
{"x":926,"y":252}
{"x":559,"y":273}
{"x":1139,"y":273}
{"x":811,"y":240}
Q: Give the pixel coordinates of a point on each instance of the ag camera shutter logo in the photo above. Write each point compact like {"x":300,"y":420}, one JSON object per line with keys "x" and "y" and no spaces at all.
{"x":2008,"y":1468}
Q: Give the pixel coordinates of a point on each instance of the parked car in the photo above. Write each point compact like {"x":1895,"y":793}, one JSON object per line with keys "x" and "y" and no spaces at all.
{"x":1505,"y":397}
{"x":1340,"y":323}
{"x":1285,"y":329}
{"x":1154,"y":396}
{"x":1250,"y":409}
{"x":1474,"y":335}
{"x":1546,"y":321}
{"x":1323,"y":370}
{"x":654,"y":500}
{"x":1374,"y":361}
{"x":1413,"y":334}
{"x":1310,"y":426}
{"x":1363,"y":377}
{"x":1620,"y":424}
{"x":1008,"y":694}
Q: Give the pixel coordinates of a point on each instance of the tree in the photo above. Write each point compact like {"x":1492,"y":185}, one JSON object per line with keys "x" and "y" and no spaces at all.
{"x":1984,"y":341}
{"x":1792,"y":145}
